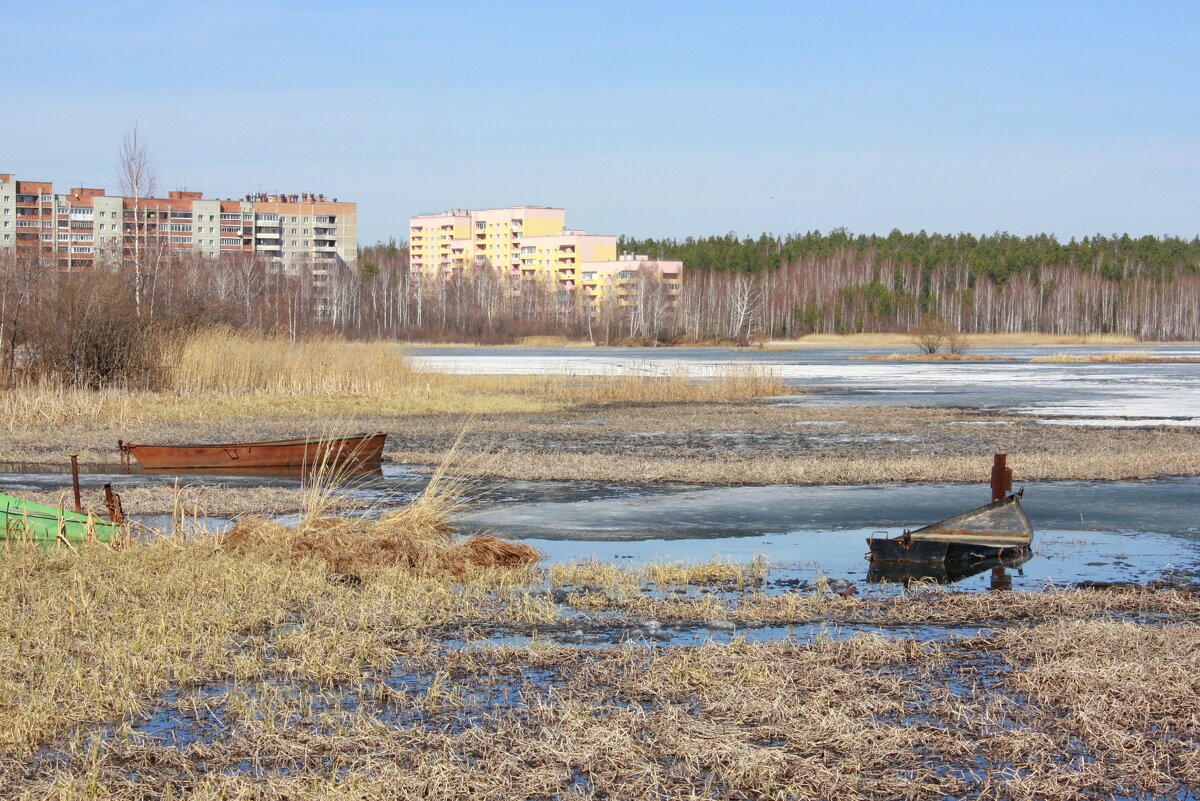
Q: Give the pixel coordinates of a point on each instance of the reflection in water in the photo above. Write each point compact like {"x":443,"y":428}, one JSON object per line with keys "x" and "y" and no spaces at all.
{"x":948,"y":572}
{"x":294,"y":471}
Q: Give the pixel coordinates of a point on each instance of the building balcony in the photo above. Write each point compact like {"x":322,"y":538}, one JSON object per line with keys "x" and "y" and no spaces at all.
{"x":269,"y":234}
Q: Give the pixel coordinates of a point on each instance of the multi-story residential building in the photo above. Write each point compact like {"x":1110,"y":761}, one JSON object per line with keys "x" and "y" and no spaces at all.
{"x":529,"y":243}
{"x":77,"y":228}
{"x":621,"y":279}
{"x":440,"y":243}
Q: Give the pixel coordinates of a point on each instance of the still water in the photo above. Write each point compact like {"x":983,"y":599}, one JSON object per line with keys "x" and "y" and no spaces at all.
{"x":1086,"y":530}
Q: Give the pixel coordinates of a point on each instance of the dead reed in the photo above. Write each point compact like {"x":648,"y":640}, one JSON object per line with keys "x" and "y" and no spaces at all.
{"x":417,"y":535}
{"x":227,"y":361}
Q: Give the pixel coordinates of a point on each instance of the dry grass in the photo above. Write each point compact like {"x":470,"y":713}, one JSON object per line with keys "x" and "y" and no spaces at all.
{"x":224,"y":374}
{"x":736,"y":383}
{"x":617,"y":581}
{"x":417,"y":535}
{"x":1172,"y":455}
{"x":226,"y":361}
{"x":1114,"y":358}
{"x":972,"y":340}
{"x":930,"y":357}
{"x":209,"y":500}
{"x":868,"y":717}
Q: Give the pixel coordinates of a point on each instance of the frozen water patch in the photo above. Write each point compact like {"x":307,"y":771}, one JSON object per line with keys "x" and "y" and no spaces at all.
{"x":1124,"y":422}
{"x":1041,"y":389}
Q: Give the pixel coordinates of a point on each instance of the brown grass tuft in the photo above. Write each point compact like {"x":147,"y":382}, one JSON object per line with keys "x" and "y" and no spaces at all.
{"x":418,"y":535}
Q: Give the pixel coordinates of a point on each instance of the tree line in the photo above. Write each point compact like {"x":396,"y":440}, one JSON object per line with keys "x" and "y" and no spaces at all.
{"x":100,"y":325}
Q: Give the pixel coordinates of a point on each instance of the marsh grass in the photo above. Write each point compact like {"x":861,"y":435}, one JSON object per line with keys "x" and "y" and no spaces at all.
{"x":615,"y":580}
{"x":878,"y":340}
{"x":1094,"y":455}
{"x":221,"y":373}
{"x":868,"y":717}
{"x":1114,"y":358}
{"x":931,"y":357}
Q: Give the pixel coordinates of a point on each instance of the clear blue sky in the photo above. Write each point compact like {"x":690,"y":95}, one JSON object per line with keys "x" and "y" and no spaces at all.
{"x":646,"y":118}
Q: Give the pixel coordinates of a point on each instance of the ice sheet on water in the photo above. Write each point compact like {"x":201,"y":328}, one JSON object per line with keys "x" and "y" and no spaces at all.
{"x":1059,"y":389}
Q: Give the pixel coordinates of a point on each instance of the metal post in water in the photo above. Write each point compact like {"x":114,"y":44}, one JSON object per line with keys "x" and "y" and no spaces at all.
{"x":1001,"y":477}
{"x":75,"y":483}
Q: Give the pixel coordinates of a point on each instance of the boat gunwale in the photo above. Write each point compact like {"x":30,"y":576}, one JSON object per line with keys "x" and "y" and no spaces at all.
{"x":264,"y":443}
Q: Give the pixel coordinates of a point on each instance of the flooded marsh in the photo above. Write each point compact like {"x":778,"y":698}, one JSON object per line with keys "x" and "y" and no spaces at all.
{"x":702,"y":622}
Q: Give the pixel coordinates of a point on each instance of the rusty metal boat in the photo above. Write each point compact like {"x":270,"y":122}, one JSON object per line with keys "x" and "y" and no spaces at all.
{"x":301,"y":453}
{"x":1001,"y":528}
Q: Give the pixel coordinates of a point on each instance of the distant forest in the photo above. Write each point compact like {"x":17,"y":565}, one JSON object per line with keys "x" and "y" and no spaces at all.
{"x":838,"y":282}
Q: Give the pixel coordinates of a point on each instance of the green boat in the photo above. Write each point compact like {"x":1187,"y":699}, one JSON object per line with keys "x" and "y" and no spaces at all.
{"x":48,"y":526}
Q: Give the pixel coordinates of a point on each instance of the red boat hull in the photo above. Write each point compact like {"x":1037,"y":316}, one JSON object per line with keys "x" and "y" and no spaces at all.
{"x":315,"y":451}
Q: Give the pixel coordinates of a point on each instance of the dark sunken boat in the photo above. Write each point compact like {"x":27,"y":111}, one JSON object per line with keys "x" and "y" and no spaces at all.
{"x":300,"y":453}
{"x":1001,"y":528}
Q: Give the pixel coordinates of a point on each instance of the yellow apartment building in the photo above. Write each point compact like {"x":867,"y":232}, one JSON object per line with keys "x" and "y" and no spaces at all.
{"x":530,"y":243}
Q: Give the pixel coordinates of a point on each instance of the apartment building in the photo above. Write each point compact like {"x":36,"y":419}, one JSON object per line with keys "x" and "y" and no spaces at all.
{"x":623,"y":277}
{"x":79,"y":227}
{"x":529,"y":243}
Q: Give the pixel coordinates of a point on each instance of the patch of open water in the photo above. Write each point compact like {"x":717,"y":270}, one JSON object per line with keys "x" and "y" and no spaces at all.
{"x":1085,"y":530}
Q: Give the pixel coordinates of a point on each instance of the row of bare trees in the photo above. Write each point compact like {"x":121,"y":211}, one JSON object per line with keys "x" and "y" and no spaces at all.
{"x":86,"y":324}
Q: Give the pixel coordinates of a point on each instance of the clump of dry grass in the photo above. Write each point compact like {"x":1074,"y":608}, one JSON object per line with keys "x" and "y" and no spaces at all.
{"x":1114,"y":358}
{"x":418,"y":535}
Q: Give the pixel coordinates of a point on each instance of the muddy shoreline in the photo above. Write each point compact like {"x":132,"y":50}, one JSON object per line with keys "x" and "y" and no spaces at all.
{"x":709,"y":443}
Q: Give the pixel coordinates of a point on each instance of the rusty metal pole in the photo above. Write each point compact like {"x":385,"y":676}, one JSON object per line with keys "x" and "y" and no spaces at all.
{"x":1001,"y":477}
{"x":113,"y":501}
{"x":75,"y":483}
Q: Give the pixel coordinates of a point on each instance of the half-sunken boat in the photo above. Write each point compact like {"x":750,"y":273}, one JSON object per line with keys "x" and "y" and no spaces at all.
{"x":303,"y":453}
{"x":47,"y":526}
{"x":999,"y":529}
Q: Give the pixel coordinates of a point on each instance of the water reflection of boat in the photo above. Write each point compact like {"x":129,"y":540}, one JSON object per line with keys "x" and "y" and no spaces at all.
{"x":1001,"y":528}
{"x":944,"y":572}
{"x":296,"y":471}
{"x":306,"y":452}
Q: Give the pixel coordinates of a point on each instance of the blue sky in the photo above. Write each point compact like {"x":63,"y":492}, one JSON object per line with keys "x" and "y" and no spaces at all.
{"x":644,"y":118}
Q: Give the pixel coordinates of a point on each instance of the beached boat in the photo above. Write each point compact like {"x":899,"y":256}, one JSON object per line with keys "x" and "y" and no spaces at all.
{"x":42,"y":525}
{"x":1000,"y":528}
{"x":308,"y":452}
